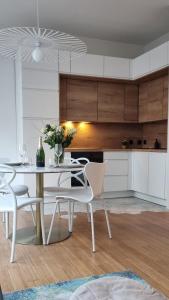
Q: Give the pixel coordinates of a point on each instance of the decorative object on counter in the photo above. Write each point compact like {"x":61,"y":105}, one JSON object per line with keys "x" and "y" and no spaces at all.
{"x":55,"y":135}
{"x":125,"y":144}
{"x":40,"y":154}
{"x":157,"y":144}
{"x":139,"y":142}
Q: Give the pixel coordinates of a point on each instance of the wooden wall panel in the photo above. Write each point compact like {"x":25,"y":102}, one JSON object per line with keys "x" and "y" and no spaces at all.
{"x":104,"y":135}
{"x":154,"y":130}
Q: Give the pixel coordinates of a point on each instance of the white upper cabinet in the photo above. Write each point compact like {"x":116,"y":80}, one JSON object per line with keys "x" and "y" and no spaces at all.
{"x":88,"y":64}
{"x":141,"y":65}
{"x":159,"y":57}
{"x":40,"y":79}
{"x":115,"y":67}
{"x":157,"y":171}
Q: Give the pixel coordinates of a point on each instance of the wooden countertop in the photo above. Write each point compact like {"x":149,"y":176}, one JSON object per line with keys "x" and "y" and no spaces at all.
{"x":113,"y":150}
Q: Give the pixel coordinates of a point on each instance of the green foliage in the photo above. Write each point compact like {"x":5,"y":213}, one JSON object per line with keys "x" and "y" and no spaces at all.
{"x":58,"y":135}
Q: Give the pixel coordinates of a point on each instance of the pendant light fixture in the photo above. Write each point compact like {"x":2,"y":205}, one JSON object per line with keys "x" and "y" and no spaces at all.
{"x":40,"y":44}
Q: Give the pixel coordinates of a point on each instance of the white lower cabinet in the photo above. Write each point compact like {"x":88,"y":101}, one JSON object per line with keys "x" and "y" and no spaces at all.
{"x":157,"y":172}
{"x":148,"y":173}
{"x":116,"y":177}
{"x":140,"y":172}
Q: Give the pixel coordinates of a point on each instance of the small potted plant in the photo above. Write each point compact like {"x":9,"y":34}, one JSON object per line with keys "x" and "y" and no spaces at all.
{"x":124,"y":144}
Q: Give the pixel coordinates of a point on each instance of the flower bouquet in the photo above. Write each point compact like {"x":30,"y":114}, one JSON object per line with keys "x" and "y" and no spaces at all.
{"x":58,"y":138}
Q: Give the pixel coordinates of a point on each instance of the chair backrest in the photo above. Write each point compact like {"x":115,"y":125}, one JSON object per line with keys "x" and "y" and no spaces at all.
{"x":95,"y":175}
{"x":79,"y":175}
{"x":7,"y":175}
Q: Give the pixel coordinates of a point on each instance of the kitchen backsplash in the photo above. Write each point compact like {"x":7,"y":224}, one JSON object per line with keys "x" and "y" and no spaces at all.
{"x":108,"y":135}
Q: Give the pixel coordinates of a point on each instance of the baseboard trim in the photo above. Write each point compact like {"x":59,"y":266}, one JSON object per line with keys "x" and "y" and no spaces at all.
{"x":152,"y":199}
{"x":121,"y":194}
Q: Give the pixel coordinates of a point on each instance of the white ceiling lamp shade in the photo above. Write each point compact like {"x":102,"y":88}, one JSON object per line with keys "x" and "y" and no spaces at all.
{"x":39,"y":44}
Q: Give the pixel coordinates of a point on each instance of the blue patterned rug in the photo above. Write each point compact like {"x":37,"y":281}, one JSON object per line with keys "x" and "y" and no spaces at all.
{"x":64,"y":289}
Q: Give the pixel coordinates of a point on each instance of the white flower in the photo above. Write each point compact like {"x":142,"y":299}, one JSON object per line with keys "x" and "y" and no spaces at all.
{"x":50,"y":133}
{"x":72,"y":131}
{"x":53,"y":126}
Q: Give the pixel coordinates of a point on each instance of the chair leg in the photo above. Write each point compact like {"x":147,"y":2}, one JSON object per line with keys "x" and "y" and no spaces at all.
{"x":88,"y":213}
{"x":107,"y":221}
{"x":42,"y":223}
{"x":13,"y":237}
{"x":51,"y":224}
{"x":58,"y":206}
{"x":6,"y":225}
{"x":32,"y":212}
{"x":3,"y":217}
{"x":92,"y":228}
{"x":69,"y":216}
{"x":72,"y":216}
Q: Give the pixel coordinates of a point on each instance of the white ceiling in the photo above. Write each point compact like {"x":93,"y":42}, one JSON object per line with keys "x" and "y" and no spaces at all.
{"x":131,"y":21}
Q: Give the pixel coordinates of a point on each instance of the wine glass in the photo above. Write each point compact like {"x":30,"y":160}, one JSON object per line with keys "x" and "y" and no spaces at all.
{"x":58,"y":152}
{"x":23,"y":153}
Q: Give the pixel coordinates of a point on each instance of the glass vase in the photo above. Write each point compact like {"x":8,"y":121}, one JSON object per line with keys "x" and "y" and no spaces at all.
{"x":60,"y":159}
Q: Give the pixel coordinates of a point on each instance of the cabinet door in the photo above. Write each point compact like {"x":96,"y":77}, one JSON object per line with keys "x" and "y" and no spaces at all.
{"x":110,"y":102}
{"x":115,"y":67}
{"x":131,"y":103}
{"x":88,"y":65}
{"x":63,"y":100}
{"x":151,"y":100}
{"x":165,"y":98}
{"x":156,"y":186}
{"x":143,"y":100}
{"x":155,"y":97}
{"x":141,"y":65}
{"x":81,"y":100}
{"x":158,"y":57}
{"x":140,"y":172}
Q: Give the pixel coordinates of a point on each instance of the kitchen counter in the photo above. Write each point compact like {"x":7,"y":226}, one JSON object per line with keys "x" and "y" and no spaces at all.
{"x":112,"y":150}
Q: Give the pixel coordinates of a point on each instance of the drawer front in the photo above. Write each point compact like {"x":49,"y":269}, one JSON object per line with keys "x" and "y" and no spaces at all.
{"x":117,"y":167}
{"x":115,"y":183}
{"x":116,"y":155}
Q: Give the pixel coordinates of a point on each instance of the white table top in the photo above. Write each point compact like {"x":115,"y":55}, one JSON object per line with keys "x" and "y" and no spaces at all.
{"x":32,"y":169}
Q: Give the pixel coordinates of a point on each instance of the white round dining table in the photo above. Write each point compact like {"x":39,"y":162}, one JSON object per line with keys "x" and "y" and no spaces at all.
{"x":33,"y":235}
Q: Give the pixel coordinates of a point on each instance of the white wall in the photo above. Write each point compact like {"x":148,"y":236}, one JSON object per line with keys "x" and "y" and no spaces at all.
{"x":7,"y":109}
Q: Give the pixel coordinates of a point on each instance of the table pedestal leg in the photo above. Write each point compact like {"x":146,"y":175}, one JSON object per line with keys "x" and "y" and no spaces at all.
{"x":39,"y":194}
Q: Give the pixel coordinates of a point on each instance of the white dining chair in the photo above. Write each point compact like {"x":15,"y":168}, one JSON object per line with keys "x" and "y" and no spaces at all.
{"x":78,"y":175}
{"x":94,"y":173}
{"x":10,"y":203}
{"x":19,"y":190}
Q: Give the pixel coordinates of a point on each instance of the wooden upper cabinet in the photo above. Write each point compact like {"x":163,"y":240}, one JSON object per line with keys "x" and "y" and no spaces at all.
{"x":63,"y":100}
{"x":110,"y":102}
{"x":131,"y":103}
{"x":81,"y":100}
{"x":165,"y":98}
{"x":153,"y":99}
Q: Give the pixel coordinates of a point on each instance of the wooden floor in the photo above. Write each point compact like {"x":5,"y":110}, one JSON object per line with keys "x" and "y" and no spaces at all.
{"x":140,"y":243}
